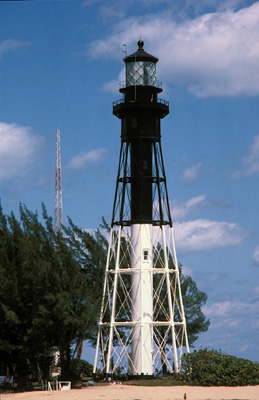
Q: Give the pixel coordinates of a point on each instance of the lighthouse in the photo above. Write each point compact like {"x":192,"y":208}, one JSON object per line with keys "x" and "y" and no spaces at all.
{"x":142,"y":325}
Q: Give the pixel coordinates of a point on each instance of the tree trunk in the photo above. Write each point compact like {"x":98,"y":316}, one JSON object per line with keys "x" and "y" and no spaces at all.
{"x":24,"y":382}
{"x":65,"y":361}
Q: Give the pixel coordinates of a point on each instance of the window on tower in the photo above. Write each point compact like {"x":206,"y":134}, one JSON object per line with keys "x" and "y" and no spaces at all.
{"x":145,"y":255}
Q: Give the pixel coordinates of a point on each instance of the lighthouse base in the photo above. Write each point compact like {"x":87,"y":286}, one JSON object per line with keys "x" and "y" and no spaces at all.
{"x":142,"y":328}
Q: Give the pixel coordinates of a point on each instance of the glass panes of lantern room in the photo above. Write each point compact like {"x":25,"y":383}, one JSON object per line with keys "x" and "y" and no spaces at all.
{"x":141,"y":73}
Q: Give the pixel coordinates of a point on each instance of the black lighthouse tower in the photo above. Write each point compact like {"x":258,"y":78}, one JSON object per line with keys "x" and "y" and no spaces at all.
{"x":140,"y":112}
{"x":142,"y":324}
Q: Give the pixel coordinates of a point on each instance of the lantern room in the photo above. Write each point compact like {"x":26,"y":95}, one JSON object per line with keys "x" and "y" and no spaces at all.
{"x":140,"y":68}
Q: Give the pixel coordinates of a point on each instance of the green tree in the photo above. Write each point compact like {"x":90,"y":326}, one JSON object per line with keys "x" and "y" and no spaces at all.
{"x":74,"y":312}
{"x":45,"y":295}
{"x":22,"y":337}
{"x":213,"y":368}
{"x":193,"y":300}
{"x":90,"y":252}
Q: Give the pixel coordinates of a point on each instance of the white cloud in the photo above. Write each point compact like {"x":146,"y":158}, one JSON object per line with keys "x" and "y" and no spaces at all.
{"x":18,"y":150}
{"x":244,"y":348}
{"x":181,"y":209}
{"x":85,"y":158}
{"x":256,"y":257}
{"x":111,"y":12}
{"x":220,"y":5}
{"x":187,"y":271}
{"x":255,"y":324}
{"x":181,"y":7}
{"x":192,"y":173}
{"x":87,"y":3}
{"x":11,"y":44}
{"x":218,"y":309}
{"x":228,"y":329}
{"x":215,"y":54}
{"x":251,"y":161}
{"x":115,"y":4}
{"x":113,"y":85}
{"x":231,"y":309}
{"x":256,"y":291}
{"x":202,"y":234}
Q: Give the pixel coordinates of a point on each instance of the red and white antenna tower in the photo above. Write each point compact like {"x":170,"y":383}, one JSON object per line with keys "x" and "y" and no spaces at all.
{"x":58,"y":188}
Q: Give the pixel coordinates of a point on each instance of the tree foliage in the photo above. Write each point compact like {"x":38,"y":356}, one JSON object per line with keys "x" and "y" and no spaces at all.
{"x":212,"y":368}
{"x":193,"y":300}
{"x":45,"y":296}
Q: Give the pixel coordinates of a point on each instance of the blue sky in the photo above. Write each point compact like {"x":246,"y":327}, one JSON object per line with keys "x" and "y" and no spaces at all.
{"x":60,"y":67}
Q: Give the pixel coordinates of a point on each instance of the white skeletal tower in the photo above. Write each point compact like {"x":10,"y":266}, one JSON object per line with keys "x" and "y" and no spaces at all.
{"x":142,"y":327}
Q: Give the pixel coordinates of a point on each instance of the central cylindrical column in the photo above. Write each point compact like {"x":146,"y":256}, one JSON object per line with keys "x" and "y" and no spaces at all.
{"x":141,"y":181}
{"x":142,"y":298}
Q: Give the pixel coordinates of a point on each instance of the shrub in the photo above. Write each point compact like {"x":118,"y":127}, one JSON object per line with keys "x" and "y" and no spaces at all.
{"x":212,"y":368}
{"x":81,"y":367}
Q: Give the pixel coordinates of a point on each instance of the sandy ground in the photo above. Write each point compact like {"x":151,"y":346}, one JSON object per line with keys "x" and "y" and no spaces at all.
{"x":122,"y":392}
